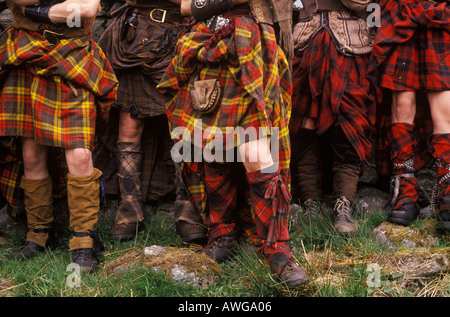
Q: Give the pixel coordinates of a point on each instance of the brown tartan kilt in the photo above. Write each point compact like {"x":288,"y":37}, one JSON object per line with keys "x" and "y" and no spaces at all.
{"x":139,"y":56}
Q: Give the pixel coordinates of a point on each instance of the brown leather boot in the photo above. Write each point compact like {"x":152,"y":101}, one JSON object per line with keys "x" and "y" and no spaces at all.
{"x":221,"y":248}
{"x":344,"y":222}
{"x":38,"y":200}
{"x":404,"y":187}
{"x":292,"y":275}
{"x":129,"y":214}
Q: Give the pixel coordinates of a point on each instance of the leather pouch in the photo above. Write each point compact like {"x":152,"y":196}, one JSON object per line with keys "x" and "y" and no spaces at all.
{"x":206,"y":94}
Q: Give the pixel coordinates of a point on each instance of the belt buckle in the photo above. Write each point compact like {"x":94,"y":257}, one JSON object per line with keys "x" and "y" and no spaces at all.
{"x":51,"y":36}
{"x":163,"y":17}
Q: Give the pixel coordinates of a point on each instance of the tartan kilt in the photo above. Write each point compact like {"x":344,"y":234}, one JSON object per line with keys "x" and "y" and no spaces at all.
{"x":139,"y":56}
{"x":256,"y":91}
{"x":53,"y":94}
{"x":256,"y":94}
{"x":412,"y":46}
{"x":332,"y":88}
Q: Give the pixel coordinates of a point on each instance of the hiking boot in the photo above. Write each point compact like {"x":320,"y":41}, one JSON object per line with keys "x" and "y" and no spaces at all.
{"x":311,"y":209}
{"x":344,"y":222}
{"x":124,"y":231}
{"x":86,"y":259}
{"x":292,"y":274}
{"x":191,"y":233}
{"x":221,"y":248}
{"x":27,"y":251}
{"x":404,"y":202}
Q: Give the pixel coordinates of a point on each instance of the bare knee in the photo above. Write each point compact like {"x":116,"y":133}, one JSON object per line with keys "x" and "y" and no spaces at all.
{"x":34,"y":159}
{"x":256,"y":155}
{"x":130,"y":129}
{"x":404,"y":106}
{"x":79,"y":161}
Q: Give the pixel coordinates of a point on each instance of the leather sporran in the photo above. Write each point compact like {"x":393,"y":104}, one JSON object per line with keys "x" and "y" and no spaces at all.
{"x":206,"y":94}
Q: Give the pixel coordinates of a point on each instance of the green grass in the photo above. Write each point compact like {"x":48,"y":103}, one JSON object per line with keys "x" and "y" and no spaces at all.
{"x":336,"y":266}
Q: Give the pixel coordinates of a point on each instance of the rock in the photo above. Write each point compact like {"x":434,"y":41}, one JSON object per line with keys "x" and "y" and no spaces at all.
{"x":397,"y":236}
{"x":370,"y":199}
{"x":180,"y":264}
{"x":422,"y":262}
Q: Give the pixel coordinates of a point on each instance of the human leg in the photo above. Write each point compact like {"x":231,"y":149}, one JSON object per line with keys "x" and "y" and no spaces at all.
{"x":346,"y":170}
{"x":403,"y":142}
{"x":271,"y":198}
{"x":38,"y":198}
{"x":129,"y":158}
{"x":307,"y":160}
{"x":440,"y":149}
{"x":83,"y":195}
{"x":222,"y":197}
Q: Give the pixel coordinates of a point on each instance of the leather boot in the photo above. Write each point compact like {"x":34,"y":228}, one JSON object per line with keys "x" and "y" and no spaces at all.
{"x":440,"y":198}
{"x":188,"y":221}
{"x":344,"y":222}
{"x":129,"y":213}
{"x":83,"y":195}
{"x":271,"y":225}
{"x":38,"y":200}
{"x":222,"y":248}
{"x":292,"y":275}
{"x":404,"y":188}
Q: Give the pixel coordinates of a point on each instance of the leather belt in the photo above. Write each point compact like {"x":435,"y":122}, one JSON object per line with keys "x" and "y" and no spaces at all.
{"x":161,"y":16}
{"x":52,"y":37}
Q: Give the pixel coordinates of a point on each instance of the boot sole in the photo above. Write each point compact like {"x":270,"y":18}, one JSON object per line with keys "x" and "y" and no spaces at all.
{"x":400,"y":221}
{"x":195,"y":238}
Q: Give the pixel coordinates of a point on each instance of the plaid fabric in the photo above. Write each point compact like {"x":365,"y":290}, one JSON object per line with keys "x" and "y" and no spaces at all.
{"x":412,"y":46}
{"x":403,"y":144}
{"x":139,"y":56}
{"x":11,"y":171}
{"x":271,"y":198}
{"x":50,"y":91}
{"x":423,"y":127}
{"x":222,"y":199}
{"x":440,"y":147}
{"x":332,"y":88}
{"x":129,"y":157}
{"x":256,"y":91}
{"x":157,"y":170}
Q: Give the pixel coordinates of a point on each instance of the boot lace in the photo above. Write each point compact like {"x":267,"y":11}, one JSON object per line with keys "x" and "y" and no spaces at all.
{"x":343,"y":210}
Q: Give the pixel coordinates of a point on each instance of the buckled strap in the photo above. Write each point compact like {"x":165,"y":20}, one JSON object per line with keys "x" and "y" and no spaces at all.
{"x":52,"y":37}
{"x":395,"y":186}
{"x":98,"y":245}
{"x":40,"y":230}
{"x":160,"y":15}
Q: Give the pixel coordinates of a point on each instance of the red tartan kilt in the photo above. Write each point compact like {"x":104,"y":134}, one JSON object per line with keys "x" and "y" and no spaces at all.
{"x":331,"y":87}
{"x":412,"y":46}
{"x":68,"y":121}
